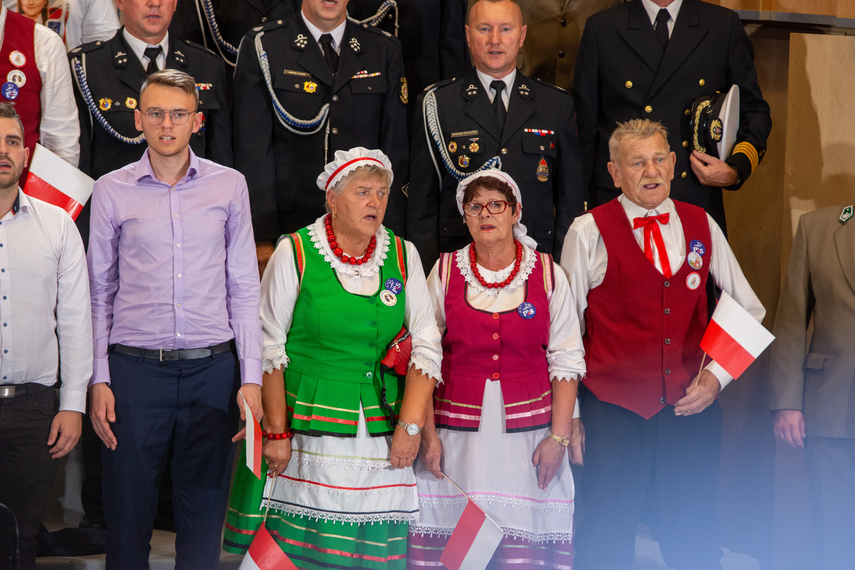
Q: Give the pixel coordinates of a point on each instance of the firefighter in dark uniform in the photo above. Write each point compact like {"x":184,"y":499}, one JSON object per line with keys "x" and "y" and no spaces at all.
{"x":219,"y":25}
{"x":292,"y":113}
{"x":432,"y":37}
{"x":457,"y":132}
{"x":623,"y":72}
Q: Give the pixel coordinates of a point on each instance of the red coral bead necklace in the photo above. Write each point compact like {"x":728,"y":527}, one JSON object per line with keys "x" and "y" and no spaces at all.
{"x":338,"y":252}
{"x":474,"y":265}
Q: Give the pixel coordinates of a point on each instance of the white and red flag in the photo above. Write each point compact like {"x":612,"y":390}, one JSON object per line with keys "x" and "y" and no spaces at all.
{"x":253,"y":442}
{"x":265,"y":554}
{"x":473,"y":542}
{"x":56,"y":182}
{"x":734,"y":338}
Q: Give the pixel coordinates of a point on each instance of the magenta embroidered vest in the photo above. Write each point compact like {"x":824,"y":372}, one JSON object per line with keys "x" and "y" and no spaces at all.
{"x":18,"y":54}
{"x":507,"y":347}
{"x":643,"y":330}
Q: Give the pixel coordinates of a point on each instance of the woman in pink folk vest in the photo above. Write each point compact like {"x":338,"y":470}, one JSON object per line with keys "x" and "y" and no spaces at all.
{"x":512,"y":359}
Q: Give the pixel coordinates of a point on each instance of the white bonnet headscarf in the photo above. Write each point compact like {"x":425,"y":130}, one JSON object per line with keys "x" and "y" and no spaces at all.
{"x":346,"y":161}
{"x":520,"y":230}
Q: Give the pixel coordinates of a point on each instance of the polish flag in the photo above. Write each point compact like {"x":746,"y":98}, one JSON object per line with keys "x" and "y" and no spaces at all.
{"x":473,"y":542}
{"x":56,"y":182}
{"x":265,"y":554}
{"x":253,"y":442}
{"x":734,"y":338}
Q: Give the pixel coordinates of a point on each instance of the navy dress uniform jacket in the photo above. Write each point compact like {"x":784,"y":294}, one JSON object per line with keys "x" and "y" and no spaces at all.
{"x":113,"y":76}
{"x":622,"y":73}
{"x":367,"y":107}
{"x":538,"y":147}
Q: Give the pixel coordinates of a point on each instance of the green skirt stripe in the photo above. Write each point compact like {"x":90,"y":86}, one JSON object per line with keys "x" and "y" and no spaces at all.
{"x":316,"y":544}
{"x":244,"y":516}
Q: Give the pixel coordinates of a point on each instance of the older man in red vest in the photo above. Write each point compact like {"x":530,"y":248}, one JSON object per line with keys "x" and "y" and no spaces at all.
{"x":639,"y":266}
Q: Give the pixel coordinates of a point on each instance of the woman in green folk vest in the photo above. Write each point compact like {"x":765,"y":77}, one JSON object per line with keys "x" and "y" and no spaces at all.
{"x":334,"y":296}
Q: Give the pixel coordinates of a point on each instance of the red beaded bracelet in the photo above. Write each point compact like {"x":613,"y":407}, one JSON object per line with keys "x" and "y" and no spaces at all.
{"x":288,"y":434}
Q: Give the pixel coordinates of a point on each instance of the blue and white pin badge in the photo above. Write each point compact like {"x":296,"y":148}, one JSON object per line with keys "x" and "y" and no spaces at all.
{"x":9,"y":91}
{"x":393,"y":285}
{"x":526,"y":311}
{"x":697,"y":246}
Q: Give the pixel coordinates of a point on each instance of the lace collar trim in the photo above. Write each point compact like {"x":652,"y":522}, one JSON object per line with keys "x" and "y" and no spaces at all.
{"x":319,"y":238}
{"x":526,"y":267}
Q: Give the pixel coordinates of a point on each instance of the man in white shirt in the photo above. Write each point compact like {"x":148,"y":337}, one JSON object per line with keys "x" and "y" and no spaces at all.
{"x":639,"y":266}
{"x":45,"y":320}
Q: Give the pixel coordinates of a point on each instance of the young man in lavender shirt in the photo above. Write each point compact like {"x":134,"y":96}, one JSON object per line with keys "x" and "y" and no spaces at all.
{"x":175,"y":295}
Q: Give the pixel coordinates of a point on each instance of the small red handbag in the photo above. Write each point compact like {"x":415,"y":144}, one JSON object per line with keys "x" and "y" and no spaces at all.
{"x":397,"y":360}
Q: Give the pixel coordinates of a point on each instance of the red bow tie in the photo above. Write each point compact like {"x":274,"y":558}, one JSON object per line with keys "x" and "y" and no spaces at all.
{"x":653,"y":234}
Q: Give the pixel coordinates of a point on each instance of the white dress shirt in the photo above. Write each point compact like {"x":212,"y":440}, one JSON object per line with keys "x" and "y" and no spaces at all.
{"x":509,"y":79}
{"x":653,"y":9}
{"x":138,"y":47}
{"x":585,"y":260}
{"x":337,"y":34}
{"x":59,"y":130}
{"x":45,"y":321}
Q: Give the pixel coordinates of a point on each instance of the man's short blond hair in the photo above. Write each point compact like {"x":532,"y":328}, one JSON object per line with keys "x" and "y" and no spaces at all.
{"x":633,"y":130}
{"x":173,"y":78}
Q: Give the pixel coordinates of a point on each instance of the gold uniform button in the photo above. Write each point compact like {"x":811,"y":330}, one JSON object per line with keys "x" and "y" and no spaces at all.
{"x":684,"y":174}
{"x":648,"y":109}
{"x":702,"y":82}
{"x":685,"y":144}
{"x":628,"y":84}
{"x":687,"y":111}
{"x":504,"y":151}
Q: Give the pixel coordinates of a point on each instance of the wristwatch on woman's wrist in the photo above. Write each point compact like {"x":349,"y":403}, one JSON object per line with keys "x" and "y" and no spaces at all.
{"x":411,"y":429}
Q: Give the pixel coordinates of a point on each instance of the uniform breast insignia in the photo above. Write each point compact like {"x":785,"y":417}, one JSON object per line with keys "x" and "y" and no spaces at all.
{"x":452,"y":147}
{"x":354,"y":45}
{"x":295,"y":72}
{"x":204,"y":86}
{"x":405,"y":91}
{"x":105,"y":103}
{"x":17,"y":77}
{"x":474,"y":147}
{"x":300,"y":41}
{"x":365,"y":75}
{"x":463,"y":161}
{"x":471,"y":91}
{"x":131,"y":103}
{"x":542,"y":170}
{"x":846,"y":213}
{"x":310,"y":86}
{"x":17,"y":59}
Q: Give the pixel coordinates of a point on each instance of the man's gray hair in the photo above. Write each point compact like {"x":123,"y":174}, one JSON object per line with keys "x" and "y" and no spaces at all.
{"x":173,"y":78}
{"x":634,"y":129}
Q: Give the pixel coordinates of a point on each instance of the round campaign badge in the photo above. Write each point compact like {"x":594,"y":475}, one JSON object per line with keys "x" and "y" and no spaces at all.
{"x":389,"y":299}
{"x":17,"y":77}
{"x":17,"y":59}
{"x":526,"y":311}
{"x":393,"y":285}
{"x":698,"y":247}
{"x":695,"y":260}
{"x":9,"y":90}
{"x":693,"y":281}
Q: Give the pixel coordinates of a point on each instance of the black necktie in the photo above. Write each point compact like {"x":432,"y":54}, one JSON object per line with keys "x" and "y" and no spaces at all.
{"x":329,"y":53}
{"x":151,"y":53}
{"x":498,"y":105}
{"x":662,"y":27}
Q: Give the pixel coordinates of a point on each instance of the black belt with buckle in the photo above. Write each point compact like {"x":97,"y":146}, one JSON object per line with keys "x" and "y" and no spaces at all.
{"x":12,"y":390}
{"x":179,"y":354}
